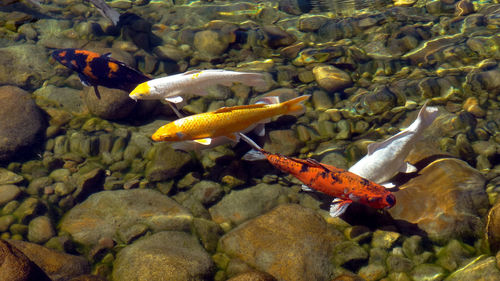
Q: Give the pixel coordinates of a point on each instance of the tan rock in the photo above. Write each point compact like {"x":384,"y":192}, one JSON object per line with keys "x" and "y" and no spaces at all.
{"x":331,"y":78}
{"x":444,"y":200}
{"x":15,"y":266}
{"x":290,"y":242}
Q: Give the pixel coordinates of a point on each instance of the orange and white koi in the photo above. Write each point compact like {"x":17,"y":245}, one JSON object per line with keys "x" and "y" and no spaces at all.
{"x":172,"y":88}
{"x":227,"y":121}
{"x":345,"y":186}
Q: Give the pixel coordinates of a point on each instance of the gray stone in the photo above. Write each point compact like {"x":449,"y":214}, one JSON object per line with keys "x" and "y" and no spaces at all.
{"x":65,"y":98}
{"x":166,"y":163}
{"x":22,"y":122}
{"x":8,"y":192}
{"x":427,"y":272}
{"x":454,"y":255}
{"x":6,"y":221}
{"x":480,"y":269}
{"x":349,"y":252}
{"x":8,"y":177}
{"x":40,"y":230}
{"x":27,"y":210}
{"x":384,"y":239}
{"x":24,"y":65}
{"x":242,"y":205}
{"x":37,"y":186}
{"x":207,"y":192}
{"x":167,"y":255}
{"x":113,"y":104}
{"x":283,"y":142}
{"x":104,"y":213}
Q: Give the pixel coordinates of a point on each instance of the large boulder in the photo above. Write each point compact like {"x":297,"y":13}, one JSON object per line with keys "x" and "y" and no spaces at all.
{"x":167,"y":255}
{"x":22,"y":122}
{"x":290,"y":242}
{"x":445,"y":201}
{"x":109,"y":213}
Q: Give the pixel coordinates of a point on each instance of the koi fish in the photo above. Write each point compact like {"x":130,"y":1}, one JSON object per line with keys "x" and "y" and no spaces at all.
{"x":227,"y":121}
{"x":171,"y":88}
{"x":345,"y":186}
{"x":386,"y":158}
{"x":95,"y":69}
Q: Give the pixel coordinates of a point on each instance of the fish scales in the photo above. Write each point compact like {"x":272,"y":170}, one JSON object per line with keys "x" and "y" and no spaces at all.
{"x":334,"y":181}
{"x":224,"y":123}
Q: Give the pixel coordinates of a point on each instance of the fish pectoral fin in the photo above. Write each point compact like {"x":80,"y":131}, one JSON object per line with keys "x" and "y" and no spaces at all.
{"x":388,"y":185}
{"x":260,"y":129}
{"x":205,"y":141}
{"x":234,"y":137}
{"x":175,"y":99}
{"x":84,"y":80}
{"x":306,"y":188}
{"x":339,"y":206}
{"x":408,"y":168}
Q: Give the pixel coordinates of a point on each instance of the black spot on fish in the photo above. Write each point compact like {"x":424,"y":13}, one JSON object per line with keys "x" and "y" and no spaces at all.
{"x":304,"y":168}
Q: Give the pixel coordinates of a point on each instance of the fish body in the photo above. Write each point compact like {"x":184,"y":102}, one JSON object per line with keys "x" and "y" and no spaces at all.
{"x":345,"y":186}
{"x":172,"y":88}
{"x":100,"y":70}
{"x":385,"y":159}
{"x":226,"y":121}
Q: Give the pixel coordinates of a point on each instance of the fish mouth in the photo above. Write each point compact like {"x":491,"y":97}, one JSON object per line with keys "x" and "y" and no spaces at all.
{"x":133,"y":97}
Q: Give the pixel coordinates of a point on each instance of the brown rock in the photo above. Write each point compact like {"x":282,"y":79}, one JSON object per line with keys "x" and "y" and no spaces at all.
{"x":331,"y":78}
{"x":290,"y":242}
{"x":58,"y":266}
{"x":253,"y":276}
{"x":113,"y":104}
{"x":88,"y":277}
{"x":22,"y":121}
{"x":15,"y":266}
{"x":493,"y":228}
{"x":444,"y":200}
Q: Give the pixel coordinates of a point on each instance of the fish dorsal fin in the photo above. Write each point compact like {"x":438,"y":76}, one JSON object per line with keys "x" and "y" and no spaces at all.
{"x":107,"y":55}
{"x":192,"y":72}
{"x":372,"y":147}
{"x":229,"y":109}
{"x":313,"y":163}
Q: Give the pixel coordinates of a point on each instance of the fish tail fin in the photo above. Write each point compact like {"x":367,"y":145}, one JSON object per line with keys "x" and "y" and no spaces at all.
{"x":295,"y":106}
{"x":254,"y":155}
{"x":250,"y":142}
{"x":426,"y":115}
{"x":253,"y":79}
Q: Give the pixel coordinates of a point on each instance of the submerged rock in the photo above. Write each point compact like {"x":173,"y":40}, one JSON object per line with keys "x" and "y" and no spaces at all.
{"x":482,"y":268}
{"x":24,"y":66}
{"x":22,"y":122}
{"x":15,"y":266}
{"x":106,"y":212}
{"x":167,"y":255}
{"x":113,"y":104}
{"x":443,"y":201}
{"x":290,"y":242}
{"x":242,"y":205}
{"x":58,"y":266}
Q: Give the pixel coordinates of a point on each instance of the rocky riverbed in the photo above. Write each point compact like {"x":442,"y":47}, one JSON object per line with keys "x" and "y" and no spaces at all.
{"x":85,"y":194}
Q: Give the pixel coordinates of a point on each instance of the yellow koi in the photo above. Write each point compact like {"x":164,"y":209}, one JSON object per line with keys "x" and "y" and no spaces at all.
{"x":227,"y":121}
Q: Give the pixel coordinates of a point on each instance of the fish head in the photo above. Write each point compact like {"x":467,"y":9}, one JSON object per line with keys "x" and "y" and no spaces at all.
{"x":66,"y":58}
{"x":141,"y":92}
{"x":383,"y":201}
{"x":169,"y":132}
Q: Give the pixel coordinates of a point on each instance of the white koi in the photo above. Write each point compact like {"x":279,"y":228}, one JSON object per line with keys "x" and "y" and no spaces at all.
{"x":386,"y":158}
{"x":172,"y":88}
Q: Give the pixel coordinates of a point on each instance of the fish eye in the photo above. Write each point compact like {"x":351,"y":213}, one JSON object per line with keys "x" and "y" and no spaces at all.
{"x":390,"y":199}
